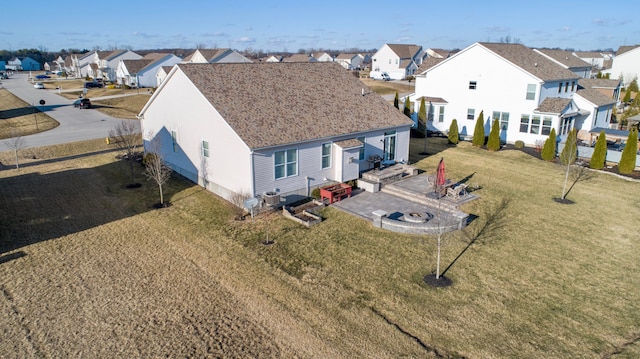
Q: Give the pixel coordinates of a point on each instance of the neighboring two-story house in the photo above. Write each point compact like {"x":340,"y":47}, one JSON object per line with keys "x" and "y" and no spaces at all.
{"x":398,"y":60}
{"x":350,"y":61}
{"x":285,"y":128}
{"x":143,"y":72}
{"x":526,"y":91}
{"x":626,"y":64}
{"x":23,"y":64}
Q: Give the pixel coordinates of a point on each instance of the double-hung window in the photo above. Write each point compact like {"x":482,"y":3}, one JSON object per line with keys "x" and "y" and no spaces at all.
{"x":473,"y":85}
{"x":326,"y":155}
{"x":535,"y":125}
{"x":503,"y":117}
{"x":205,"y":149}
{"x":286,"y":163}
{"x":531,"y":91}
{"x":471,"y":112}
{"x":441,"y":114}
{"x":546,"y":126}
{"x":524,"y":123}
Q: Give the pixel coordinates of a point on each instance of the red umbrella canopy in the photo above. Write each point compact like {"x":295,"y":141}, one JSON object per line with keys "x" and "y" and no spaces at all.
{"x":440,"y":177}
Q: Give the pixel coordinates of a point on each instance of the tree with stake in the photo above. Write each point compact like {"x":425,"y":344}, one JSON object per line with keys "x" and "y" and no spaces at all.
{"x":478,"y":132}
{"x":407,"y":107}
{"x":549,"y":149}
{"x":15,"y":143}
{"x":599,"y":156}
{"x":454,"y":135}
{"x":568,"y":157}
{"x":127,"y":137}
{"x":628,"y":160}
{"x":155,"y":167}
{"x":396,"y":101}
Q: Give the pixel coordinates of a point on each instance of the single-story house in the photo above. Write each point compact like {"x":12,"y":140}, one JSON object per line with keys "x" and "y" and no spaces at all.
{"x":283,"y":128}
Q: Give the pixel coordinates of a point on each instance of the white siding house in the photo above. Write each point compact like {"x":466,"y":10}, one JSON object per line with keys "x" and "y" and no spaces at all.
{"x":626,"y":64}
{"x":298,"y":126}
{"x":143,"y":72}
{"x":350,"y":61}
{"x":527,"y":92}
{"x":398,"y":60}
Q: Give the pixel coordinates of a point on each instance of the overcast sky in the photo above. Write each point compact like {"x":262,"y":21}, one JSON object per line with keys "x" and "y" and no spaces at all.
{"x":292,"y":25}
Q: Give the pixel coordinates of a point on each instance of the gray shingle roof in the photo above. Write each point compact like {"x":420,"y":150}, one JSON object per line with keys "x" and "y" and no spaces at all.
{"x":599,"y":83}
{"x":405,"y":51}
{"x":270,"y":104}
{"x":595,"y":97}
{"x":350,"y":143}
{"x":553,"y":105}
{"x":428,"y":99}
{"x":530,"y":61}
{"x":566,"y":58}
{"x":298,"y":58}
{"x":428,"y":63}
{"x":134,"y":66}
{"x":623,"y":49}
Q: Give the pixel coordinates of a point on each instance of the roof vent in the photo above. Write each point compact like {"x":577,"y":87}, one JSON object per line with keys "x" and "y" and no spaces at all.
{"x":535,"y":64}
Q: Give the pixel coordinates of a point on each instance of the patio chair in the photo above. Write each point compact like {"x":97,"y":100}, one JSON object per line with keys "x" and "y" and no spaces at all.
{"x":457,"y":192}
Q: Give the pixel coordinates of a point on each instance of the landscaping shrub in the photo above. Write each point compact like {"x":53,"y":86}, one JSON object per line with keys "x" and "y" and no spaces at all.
{"x":628,"y":161}
{"x":549,"y":148}
{"x":599,"y":152}
{"x":519,"y":144}
{"x":315,"y":194}
{"x":478,"y":132}
{"x":454,"y":135}
{"x":494,"y":136}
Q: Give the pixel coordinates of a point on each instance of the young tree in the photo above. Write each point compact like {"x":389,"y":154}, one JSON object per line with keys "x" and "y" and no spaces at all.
{"x":15,"y":144}
{"x":454,"y":135}
{"x":568,"y":156}
{"x":396,"y":101}
{"x":633,"y":85}
{"x":422,"y":118}
{"x":127,"y":137}
{"x":407,"y":107}
{"x":155,"y":167}
{"x":628,"y":160}
{"x":627,"y":96}
{"x":478,"y":132}
{"x":493,"y":144}
{"x":549,"y":149}
{"x":599,"y":156}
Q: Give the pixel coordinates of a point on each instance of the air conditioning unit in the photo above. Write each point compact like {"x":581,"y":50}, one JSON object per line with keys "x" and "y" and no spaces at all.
{"x":271,"y":198}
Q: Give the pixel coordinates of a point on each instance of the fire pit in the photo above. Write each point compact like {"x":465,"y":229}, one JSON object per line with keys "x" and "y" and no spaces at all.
{"x":416,"y":217}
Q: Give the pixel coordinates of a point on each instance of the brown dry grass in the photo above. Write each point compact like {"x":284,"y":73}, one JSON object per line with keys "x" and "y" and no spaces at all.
{"x":87,"y":269}
{"x":17,"y":117}
{"x":122,"y":107}
{"x":387,"y":87}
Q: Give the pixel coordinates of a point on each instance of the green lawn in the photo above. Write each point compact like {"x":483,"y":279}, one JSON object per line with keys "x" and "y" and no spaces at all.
{"x":559,"y":281}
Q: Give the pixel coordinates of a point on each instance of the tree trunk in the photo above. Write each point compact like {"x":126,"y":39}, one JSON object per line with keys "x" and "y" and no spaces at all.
{"x":161,"y":196}
{"x":566,"y":178}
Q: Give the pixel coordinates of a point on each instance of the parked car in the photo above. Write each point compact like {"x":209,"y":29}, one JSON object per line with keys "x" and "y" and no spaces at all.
{"x":92,"y":84}
{"x":82,"y":103}
{"x":43,"y":77}
{"x":39,"y":85}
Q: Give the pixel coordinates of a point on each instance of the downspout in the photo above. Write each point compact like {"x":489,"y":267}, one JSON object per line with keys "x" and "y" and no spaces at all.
{"x":253,"y":176}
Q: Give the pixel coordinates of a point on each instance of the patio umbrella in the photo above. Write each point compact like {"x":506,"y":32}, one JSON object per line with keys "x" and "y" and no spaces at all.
{"x":440,"y":177}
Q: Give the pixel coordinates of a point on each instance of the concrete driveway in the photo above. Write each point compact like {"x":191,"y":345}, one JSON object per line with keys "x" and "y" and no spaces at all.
{"x":75,"y":124}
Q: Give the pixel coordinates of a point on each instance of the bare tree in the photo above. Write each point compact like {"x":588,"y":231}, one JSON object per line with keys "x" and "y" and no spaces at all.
{"x":15,"y":143}
{"x":573,"y":172}
{"x":155,"y":167}
{"x":127,"y":137}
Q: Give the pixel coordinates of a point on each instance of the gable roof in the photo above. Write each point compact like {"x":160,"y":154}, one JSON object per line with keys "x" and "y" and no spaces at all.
{"x":346,"y":56}
{"x":623,"y":49}
{"x":428,"y":63}
{"x":566,"y":58}
{"x":299,"y":58}
{"x":405,"y":51}
{"x":588,"y":54}
{"x":134,"y":66}
{"x":599,"y":83}
{"x":595,"y":97}
{"x":553,"y":105}
{"x":530,"y":61}
{"x":272,"y":104}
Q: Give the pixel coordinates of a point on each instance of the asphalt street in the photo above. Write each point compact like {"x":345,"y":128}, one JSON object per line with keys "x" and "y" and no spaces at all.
{"x":75,"y":124}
